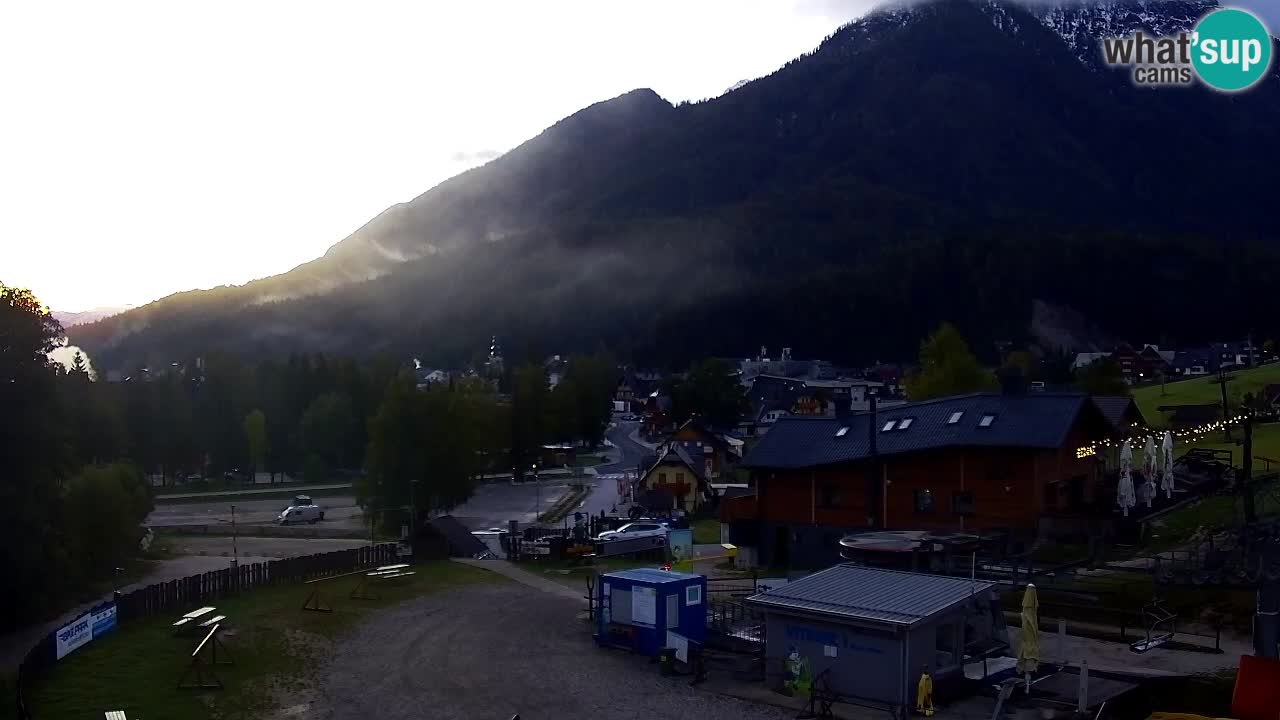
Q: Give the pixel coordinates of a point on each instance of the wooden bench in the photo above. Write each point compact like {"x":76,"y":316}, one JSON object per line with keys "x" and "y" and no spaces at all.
{"x":116,"y":715}
{"x":203,"y":660}
{"x":190,"y":620}
{"x":215,"y":620}
{"x":364,"y":590}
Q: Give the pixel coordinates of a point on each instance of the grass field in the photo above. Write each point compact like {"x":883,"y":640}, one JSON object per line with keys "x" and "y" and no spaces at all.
{"x":1200,"y":390}
{"x":273,"y":642}
{"x":705,"y":531}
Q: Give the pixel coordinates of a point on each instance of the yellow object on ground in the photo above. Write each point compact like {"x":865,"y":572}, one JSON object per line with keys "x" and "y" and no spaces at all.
{"x":924,"y":695}
{"x":1029,"y":647}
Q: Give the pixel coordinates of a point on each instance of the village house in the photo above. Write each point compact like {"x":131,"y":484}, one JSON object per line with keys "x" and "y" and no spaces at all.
{"x":970,"y":463}
{"x":715,"y":454}
{"x":675,"y":481}
{"x":772,"y":397}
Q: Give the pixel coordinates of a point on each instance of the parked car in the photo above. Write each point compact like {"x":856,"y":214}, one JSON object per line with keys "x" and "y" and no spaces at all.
{"x":643,"y":528}
{"x":300,"y":513}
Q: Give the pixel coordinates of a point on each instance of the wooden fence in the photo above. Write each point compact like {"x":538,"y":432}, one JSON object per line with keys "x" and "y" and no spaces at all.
{"x":183,"y":594}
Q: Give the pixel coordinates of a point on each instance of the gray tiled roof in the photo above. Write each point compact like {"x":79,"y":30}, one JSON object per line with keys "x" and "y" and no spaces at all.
{"x":871,"y":594}
{"x":1113,"y":407}
{"x":1035,"y":420}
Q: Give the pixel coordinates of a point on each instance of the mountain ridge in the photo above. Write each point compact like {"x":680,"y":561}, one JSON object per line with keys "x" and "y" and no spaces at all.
{"x":914,"y":127}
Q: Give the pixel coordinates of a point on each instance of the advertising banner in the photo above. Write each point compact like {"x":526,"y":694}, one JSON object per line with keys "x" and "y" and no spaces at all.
{"x":78,"y":632}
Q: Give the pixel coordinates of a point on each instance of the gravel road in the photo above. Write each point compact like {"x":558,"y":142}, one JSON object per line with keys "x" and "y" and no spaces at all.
{"x":487,"y":652}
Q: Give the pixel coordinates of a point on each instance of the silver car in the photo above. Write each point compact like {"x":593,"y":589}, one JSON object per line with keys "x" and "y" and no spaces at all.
{"x":642,"y":528}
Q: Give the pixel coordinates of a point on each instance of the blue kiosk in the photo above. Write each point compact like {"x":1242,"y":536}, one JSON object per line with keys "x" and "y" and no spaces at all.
{"x":645,"y":610}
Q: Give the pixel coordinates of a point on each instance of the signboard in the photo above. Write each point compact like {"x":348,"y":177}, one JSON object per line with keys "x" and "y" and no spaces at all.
{"x":102,"y":619}
{"x":80,"y":631}
{"x":680,"y":643}
{"x":644,"y":606}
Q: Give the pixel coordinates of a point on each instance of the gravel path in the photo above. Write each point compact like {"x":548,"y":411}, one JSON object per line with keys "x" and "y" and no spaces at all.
{"x":487,"y":652}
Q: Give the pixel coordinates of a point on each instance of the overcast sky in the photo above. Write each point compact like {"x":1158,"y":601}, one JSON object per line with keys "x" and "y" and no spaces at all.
{"x":147,"y":148}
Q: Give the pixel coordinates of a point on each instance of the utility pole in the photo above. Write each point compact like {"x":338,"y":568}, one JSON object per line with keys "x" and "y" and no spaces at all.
{"x":1221,"y":381}
{"x":1246,"y":474}
{"x":235,"y":549}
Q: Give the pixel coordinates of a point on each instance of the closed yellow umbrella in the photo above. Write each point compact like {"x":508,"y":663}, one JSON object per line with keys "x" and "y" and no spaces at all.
{"x":1029,"y":646}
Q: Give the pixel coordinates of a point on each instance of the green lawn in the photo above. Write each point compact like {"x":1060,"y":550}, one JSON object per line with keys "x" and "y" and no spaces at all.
{"x":273,"y":642}
{"x":1215,"y":511}
{"x":706,"y":531}
{"x":1266,"y":438}
{"x":1201,"y":390}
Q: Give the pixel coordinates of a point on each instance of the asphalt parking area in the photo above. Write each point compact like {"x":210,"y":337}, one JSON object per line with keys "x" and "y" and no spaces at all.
{"x":491,"y":651}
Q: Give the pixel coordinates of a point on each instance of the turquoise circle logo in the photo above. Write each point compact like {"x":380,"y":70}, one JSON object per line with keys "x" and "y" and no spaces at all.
{"x":1232,"y":50}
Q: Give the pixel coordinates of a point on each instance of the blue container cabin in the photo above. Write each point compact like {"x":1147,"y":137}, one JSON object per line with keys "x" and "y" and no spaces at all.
{"x":645,"y":610}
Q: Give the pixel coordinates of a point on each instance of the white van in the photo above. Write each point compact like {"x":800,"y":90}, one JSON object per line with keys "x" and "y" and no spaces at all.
{"x":299,"y":514}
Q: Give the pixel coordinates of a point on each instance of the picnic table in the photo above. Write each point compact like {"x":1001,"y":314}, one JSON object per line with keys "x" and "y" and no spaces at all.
{"x":362,"y":591}
{"x":202,"y":617}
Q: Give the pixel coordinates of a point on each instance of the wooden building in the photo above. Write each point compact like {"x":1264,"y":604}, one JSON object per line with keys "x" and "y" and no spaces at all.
{"x":676,"y":481}
{"x":970,"y":463}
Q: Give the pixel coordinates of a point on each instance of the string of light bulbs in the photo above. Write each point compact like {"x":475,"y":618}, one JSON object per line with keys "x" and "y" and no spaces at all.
{"x":1186,"y":435}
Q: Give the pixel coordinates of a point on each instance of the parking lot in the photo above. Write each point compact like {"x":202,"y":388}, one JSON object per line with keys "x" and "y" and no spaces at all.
{"x":491,"y":651}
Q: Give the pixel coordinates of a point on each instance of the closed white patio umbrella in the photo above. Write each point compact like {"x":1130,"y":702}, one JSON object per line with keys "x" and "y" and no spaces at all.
{"x":1166,"y":480}
{"x":1124,"y":491}
{"x":1150,"y":468}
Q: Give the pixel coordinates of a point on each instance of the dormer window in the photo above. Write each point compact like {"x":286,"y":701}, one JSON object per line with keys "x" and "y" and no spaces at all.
{"x":986,"y":420}
{"x":842,"y":432}
{"x":889,"y":426}
{"x":905,"y":423}
{"x":955,"y":417}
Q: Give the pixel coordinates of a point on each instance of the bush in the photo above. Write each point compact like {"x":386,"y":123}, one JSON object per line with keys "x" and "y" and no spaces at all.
{"x":104,"y":507}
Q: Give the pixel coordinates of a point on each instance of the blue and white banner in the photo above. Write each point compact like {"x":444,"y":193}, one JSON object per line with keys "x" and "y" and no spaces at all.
{"x":80,"y":631}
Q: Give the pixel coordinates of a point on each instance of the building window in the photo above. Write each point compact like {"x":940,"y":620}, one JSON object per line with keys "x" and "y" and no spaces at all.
{"x":830,"y":496}
{"x":905,"y":423}
{"x":924,"y":500}
{"x":986,"y":420}
{"x":962,"y":503}
{"x":679,"y":477}
{"x":955,"y":417}
{"x":662,"y":478}
{"x":842,"y":432}
{"x":888,"y":426}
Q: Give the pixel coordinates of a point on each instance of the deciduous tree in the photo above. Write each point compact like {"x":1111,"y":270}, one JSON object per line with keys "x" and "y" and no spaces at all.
{"x":947,"y":367}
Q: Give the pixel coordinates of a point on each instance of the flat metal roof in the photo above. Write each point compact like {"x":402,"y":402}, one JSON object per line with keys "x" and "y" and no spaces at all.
{"x":874,"y":595}
{"x":649,"y":575}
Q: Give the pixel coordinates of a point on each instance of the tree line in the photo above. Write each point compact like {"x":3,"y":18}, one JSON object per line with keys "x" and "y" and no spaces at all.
{"x":81,"y":457}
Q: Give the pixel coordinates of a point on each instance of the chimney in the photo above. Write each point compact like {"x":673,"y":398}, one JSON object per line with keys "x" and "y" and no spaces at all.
{"x":875,"y":488}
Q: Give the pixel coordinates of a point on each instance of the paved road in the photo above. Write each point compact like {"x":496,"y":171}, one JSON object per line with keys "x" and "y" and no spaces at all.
{"x":625,"y":456}
{"x":275,"y":489}
{"x":339,"y":511}
{"x":494,"y":503}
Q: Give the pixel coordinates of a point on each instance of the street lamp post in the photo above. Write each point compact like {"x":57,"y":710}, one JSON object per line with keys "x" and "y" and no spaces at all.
{"x":235,"y":547}
{"x":537,"y":494}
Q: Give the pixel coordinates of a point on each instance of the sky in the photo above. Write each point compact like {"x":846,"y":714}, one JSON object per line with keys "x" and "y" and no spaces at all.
{"x":152,"y":147}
